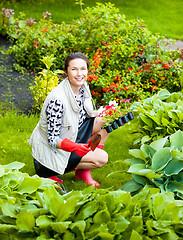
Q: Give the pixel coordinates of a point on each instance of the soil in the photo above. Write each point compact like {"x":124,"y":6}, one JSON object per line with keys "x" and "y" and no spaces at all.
{"x":14,"y":86}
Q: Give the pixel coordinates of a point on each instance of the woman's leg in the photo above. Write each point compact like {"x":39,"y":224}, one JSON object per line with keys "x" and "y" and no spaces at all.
{"x":97,"y":128}
{"x":93,"y":159}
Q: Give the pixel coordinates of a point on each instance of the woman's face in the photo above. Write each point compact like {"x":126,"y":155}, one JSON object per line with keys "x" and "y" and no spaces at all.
{"x":77,"y":72}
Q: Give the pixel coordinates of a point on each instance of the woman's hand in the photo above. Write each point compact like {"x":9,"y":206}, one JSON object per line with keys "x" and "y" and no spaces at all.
{"x":79,"y":148}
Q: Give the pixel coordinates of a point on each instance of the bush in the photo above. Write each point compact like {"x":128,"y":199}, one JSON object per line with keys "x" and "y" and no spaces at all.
{"x":44,"y":83}
{"x":159,"y":164}
{"x":32,"y":208}
{"x":160,"y":115}
{"x":127,"y":60}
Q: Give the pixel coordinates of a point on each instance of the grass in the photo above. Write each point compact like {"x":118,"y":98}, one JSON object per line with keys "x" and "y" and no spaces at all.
{"x":164,"y":17}
{"x":160,"y":16}
{"x":16,"y":129}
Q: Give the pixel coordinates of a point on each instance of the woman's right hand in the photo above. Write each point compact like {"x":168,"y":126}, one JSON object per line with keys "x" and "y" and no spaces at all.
{"x":80,"y":149}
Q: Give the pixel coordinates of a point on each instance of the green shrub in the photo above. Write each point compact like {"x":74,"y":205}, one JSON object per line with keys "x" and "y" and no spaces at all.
{"x":126,"y":59}
{"x":44,"y":83}
{"x":160,"y":115}
{"x":32,"y":208}
{"x":159,"y":164}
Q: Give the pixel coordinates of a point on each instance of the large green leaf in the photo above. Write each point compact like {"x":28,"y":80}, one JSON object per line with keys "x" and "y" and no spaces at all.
{"x":60,"y":227}
{"x":43,"y":221}
{"x":174,"y":186}
{"x":6,"y":228}
{"x":135,"y":168}
{"x":131,"y":186}
{"x":158,"y":144}
{"x":78,"y":228}
{"x":25,"y":221}
{"x":29,"y":185}
{"x":148,"y":150}
{"x":173,"y":167}
{"x":140,"y":179}
{"x":14,"y":165}
{"x":121,"y":223}
{"x":102,"y":216}
{"x":161,"y":159}
{"x":8,"y":209}
{"x":138,"y":153}
{"x":87,"y":210}
{"x":147,"y":120}
{"x":135,"y":236}
{"x":176,"y":139}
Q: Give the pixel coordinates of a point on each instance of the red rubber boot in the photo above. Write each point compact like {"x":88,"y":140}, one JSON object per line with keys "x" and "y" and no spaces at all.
{"x":85,"y":175}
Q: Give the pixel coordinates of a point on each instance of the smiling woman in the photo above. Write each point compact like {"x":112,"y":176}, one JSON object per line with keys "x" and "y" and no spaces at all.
{"x":67,"y":121}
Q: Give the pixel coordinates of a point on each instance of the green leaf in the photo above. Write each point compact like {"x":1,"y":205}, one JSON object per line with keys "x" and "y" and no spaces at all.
{"x":78,"y":228}
{"x":121,"y":223}
{"x":176,"y":139}
{"x":6,"y":228}
{"x":131,"y":186}
{"x":69,"y":236}
{"x":87,"y":210}
{"x":8,"y":209}
{"x":173,"y":167}
{"x":148,"y":150}
{"x":174,"y":186}
{"x":105,"y":235}
{"x":60,"y":227}
{"x":25,"y":221}
{"x":29,"y":185}
{"x":14,"y":165}
{"x":145,"y":139}
{"x":164,"y":121}
{"x":135,"y":236}
{"x":102,"y":216}
{"x":138,"y":153}
{"x":43,"y":221}
{"x":134,"y":161}
{"x":1,"y":171}
{"x":135,"y":168}
{"x":161,"y":159}
{"x":158,"y":144}
{"x":147,"y":120}
{"x":140,"y":179}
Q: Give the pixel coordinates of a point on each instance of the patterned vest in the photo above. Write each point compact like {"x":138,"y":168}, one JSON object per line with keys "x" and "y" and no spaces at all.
{"x":49,"y":156}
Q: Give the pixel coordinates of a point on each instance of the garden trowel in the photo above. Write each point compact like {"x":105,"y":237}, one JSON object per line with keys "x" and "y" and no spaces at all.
{"x":94,"y":141}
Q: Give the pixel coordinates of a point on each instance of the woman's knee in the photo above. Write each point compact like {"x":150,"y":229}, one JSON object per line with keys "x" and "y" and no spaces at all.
{"x":102,"y":159}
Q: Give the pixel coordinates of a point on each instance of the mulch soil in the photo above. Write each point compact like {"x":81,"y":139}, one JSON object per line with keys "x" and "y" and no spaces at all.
{"x":14,"y":86}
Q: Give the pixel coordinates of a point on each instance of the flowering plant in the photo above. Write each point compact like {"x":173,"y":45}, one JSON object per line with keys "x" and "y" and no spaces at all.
{"x":124,"y":105}
{"x":110,"y":112}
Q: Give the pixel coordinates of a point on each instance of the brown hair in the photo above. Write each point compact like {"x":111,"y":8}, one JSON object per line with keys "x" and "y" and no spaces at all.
{"x":75,"y":55}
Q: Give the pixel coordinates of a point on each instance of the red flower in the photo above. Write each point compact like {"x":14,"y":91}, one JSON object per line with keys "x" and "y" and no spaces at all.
{"x":166,"y":66}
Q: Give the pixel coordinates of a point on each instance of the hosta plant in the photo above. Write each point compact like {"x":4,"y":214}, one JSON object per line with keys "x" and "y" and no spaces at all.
{"x":159,"y":164}
{"x":160,"y":115}
{"x":32,"y":208}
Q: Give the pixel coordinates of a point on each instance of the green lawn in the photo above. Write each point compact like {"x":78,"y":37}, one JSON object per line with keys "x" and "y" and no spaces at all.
{"x":160,"y":16}
{"x":15,"y":131}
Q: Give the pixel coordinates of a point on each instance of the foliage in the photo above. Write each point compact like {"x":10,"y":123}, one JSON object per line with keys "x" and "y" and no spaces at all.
{"x":127,"y":60}
{"x":32,"y":208}
{"x":159,"y":164}
{"x":160,"y":115}
{"x":44,"y":83}
{"x":133,"y":67}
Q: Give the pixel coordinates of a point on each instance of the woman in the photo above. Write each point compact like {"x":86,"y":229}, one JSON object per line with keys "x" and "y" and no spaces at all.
{"x":67,"y":121}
